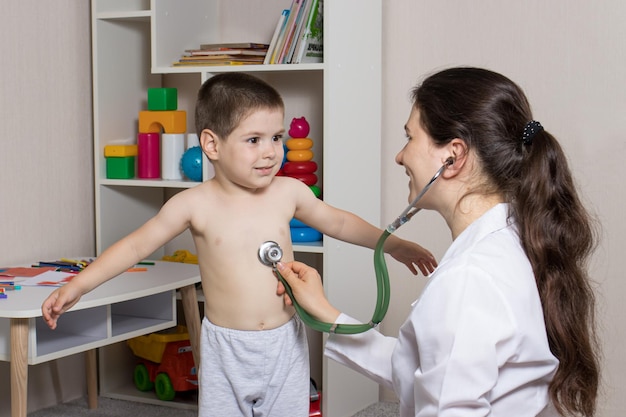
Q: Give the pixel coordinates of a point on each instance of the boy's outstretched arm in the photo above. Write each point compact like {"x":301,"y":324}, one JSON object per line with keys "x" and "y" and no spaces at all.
{"x":346,"y":226}
{"x":168,"y":223}
{"x":112,"y":262}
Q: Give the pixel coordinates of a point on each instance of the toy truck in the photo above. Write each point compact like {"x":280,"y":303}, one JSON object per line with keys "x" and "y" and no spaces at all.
{"x":165,"y":363}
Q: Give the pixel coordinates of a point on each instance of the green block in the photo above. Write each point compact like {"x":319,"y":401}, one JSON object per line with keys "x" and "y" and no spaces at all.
{"x":162,"y":99}
{"x":121,"y":167}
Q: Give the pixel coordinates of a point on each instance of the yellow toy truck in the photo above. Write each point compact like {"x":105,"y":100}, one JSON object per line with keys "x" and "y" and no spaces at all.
{"x":165,"y":363}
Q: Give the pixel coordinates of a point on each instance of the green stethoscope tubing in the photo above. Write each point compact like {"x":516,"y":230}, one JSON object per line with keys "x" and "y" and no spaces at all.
{"x":382,"y":300}
{"x":380,"y":268}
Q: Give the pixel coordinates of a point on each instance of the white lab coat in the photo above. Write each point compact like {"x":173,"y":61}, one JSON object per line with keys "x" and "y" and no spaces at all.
{"x":474,"y":343}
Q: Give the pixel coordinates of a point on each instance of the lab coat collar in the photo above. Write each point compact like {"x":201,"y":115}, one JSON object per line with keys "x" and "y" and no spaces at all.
{"x":494,"y":219}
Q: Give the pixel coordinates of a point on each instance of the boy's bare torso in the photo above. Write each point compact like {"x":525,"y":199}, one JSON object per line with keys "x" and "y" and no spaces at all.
{"x":228,"y":230}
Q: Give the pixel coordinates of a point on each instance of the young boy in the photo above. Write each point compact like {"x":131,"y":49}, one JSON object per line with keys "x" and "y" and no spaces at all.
{"x":253,"y":348}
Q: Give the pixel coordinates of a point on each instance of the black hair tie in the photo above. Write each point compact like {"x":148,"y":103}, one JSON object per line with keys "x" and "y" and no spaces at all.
{"x":530,"y":130}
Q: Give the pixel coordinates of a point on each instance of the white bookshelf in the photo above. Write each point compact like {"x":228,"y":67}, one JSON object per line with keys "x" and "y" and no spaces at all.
{"x":134,"y":44}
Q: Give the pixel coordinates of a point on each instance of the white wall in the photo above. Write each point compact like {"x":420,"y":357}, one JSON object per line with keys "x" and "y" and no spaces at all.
{"x":569,"y":56}
{"x":46,"y":181}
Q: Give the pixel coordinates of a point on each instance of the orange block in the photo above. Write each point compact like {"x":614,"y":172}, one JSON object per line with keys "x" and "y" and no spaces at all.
{"x":171,"y":121}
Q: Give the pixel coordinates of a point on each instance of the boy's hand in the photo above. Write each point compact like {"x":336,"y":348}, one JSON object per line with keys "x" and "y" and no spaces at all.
{"x":58,"y":302}
{"x":411,"y":254}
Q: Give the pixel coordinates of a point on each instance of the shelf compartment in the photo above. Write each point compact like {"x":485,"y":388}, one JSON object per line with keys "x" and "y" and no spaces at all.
{"x":77,"y":331}
{"x":143,"y":315}
{"x":127,"y":208}
{"x":121,"y":7}
{"x":188,"y":24}
{"x":117,"y":362}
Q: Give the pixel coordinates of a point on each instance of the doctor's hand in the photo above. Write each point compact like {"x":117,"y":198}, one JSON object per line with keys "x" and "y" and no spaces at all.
{"x":306,"y":286}
{"x":58,"y":302}
{"x":411,"y":254}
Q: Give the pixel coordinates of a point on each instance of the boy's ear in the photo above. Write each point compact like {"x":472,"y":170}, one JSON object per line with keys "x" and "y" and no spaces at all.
{"x":209,"y":144}
{"x":458,"y":150}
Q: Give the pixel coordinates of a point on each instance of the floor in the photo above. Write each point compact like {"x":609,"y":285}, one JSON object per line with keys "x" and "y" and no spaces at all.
{"x":117,"y":408}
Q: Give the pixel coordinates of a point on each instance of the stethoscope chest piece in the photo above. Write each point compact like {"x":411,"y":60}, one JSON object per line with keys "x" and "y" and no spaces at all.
{"x":270,"y":253}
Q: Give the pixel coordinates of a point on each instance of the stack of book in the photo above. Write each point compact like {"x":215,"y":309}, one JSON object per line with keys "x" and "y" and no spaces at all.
{"x":298,"y":36}
{"x":240,"y":53}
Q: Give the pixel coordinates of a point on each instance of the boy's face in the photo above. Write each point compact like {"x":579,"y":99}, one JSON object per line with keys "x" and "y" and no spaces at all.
{"x":253,"y":153}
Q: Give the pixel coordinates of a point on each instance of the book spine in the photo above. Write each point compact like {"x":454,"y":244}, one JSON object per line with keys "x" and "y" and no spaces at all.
{"x":281,"y":36}
{"x":306,"y":29}
{"x":307,"y":32}
{"x":279,"y":26}
{"x":302,"y":17}
{"x":290,"y":29}
{"x":314,"y":45}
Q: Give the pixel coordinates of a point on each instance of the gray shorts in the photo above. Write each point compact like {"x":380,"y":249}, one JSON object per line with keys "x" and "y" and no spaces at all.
{"x":254,"y":373}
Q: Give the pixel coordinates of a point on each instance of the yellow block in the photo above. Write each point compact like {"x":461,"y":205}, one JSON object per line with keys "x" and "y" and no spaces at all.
{"x":120,"y":150}
{"x":172,"y":121}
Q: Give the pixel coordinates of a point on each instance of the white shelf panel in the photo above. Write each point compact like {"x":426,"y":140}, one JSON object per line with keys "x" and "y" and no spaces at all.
{"x":149,"y":183}
{"x":120,"y":7}
{"x":128,"y":392}
{"x":239,"y":68}
{"x":141,"y":15}
{"x":126,"y":327}
{"x":308,"y":247}
{"x":61,"y":347}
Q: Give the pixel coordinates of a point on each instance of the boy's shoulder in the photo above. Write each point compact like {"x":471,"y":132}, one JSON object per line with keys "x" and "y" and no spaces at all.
{"x":290,"y":183}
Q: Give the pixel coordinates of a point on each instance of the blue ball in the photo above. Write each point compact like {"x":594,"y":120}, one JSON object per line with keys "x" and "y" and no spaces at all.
{"x":305,"y":234}
{"x":191,"y":163}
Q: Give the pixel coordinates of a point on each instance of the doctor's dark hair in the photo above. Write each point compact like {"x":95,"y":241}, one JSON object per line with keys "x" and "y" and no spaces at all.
{"x":489,"y":112}
{"x":224,"y":100}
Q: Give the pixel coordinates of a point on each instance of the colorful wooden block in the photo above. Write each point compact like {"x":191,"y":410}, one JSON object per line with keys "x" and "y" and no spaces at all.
{"x":120,"y":167}
{"x":171,"y":121}
{"x":149,"y":155}
{"x":160,"y":99}
{"x":120,"y":150}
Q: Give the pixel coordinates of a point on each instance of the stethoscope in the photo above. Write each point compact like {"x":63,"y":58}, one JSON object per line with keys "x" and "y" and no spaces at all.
{"x":270,"y":254}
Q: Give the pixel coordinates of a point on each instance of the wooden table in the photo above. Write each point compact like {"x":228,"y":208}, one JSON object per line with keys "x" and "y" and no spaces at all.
{"x":130,"y":305}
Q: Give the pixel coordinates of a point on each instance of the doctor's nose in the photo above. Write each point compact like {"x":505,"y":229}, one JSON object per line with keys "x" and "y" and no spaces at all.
{"x":399,"y":157}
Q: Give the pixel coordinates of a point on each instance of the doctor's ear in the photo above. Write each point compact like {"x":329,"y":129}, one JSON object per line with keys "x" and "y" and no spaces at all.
{"x":209,"y":143}
{"x":457,"y":157}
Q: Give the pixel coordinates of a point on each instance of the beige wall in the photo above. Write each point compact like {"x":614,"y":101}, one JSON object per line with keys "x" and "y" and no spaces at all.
{"x":46,"y":186}
{"x":569,"y":55}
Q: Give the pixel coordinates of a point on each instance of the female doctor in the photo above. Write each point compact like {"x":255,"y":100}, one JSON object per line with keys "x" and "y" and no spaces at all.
{"x":505,"y":324}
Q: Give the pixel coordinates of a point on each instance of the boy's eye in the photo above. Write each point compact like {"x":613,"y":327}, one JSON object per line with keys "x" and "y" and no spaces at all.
{"x":253,"y":140}
{"x":277,"y":138}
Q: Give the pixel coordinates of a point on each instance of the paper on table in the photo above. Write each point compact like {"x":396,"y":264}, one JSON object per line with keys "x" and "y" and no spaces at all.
{"x":24,"y":271}
{"x":51,"y":278}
